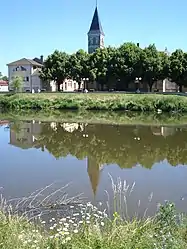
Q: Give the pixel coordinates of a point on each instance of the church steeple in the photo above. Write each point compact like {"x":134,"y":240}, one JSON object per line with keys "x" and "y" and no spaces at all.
{"x":96,"y":24}
{"x":95,"y":34}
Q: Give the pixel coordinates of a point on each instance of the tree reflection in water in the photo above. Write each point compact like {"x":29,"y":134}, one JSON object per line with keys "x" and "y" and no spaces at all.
{"x":125,"y":146}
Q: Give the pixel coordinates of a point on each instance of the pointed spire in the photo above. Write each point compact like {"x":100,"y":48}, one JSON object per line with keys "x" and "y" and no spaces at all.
{"x":96,"y":24}
{"x":94,"y":173}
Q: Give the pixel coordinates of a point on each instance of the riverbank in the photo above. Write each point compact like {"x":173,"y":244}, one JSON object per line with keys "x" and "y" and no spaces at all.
{"x":97,"y":117}
{"x":95,"y":230}
{"x":94,"y":101}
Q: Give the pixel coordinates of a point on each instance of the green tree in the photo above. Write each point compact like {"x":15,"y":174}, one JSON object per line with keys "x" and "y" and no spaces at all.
{"x":5,"y":78}
{"x":127,"y":63}
{"x":78,"y":66}
{"x":17,"y":83}
{"x":100,"y":65}
{"x":178,"y":68}
{"x":152,"y":65}
{"x":56,"y":68}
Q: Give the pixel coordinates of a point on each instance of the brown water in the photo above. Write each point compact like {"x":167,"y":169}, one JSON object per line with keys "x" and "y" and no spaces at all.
{"x":34,"y":154}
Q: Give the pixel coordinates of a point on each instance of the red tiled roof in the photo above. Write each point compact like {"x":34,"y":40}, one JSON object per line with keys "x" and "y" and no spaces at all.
{"x":3,"y":83}
{"x":4,"y":122}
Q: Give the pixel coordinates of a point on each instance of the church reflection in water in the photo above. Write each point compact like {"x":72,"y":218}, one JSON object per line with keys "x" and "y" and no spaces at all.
{"x":101,"y":144}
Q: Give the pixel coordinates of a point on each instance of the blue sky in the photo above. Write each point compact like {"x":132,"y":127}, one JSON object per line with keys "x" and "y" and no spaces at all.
{"x":32,"y":28}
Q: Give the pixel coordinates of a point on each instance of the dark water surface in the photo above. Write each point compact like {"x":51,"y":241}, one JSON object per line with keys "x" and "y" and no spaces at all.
{"x":34,"y":154}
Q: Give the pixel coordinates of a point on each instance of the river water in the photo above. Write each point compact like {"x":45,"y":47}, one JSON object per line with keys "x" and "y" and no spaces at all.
{"x":152,"y":160}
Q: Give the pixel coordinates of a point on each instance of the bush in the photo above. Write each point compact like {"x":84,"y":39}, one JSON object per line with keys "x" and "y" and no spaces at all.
{"x":113,"y":102}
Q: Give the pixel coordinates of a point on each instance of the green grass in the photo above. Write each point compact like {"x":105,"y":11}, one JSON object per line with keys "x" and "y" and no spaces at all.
{"x":84,"y":226}
{"x":113,"y":102}
{"x":95,"y":231}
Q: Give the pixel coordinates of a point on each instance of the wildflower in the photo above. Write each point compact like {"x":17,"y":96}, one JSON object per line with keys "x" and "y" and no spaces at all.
{"x":68,"y":217}
{"x":68,"y":239}
{"x":102,"y":224}
{"x":66,"y":224}
{"x":88,"y":222}
{"x":76,"y":214}
{"x":43,"y":222}
{"x":80,"y":222}
{"x":75,"y":231}
{"x":66,"y":233}
{"x":71,"y":221}
{"x":65,"y":229}
{"x":60,"y":222}
{"x":51,"y":228}
{"x":71,"y":206}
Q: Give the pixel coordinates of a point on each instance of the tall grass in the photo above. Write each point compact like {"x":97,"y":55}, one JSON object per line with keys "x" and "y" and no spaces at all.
{"x":85,"y":226}
{"x":113,"y":102}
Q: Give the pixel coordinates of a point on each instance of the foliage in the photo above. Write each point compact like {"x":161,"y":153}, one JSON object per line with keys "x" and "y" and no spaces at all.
{"x":91,"y":228}
{"x":5,"y":78}
{"x":56,"y":68}
{"x":178,"y":68}
{"x":113,"y":102}
{"x":78,"y":66}
{"x":118,"y":67}
{"x":16,"y":83}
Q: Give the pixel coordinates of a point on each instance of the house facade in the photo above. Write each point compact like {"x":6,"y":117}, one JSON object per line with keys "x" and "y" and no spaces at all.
{"x":3,"y":86}
{"x":29,"y":71}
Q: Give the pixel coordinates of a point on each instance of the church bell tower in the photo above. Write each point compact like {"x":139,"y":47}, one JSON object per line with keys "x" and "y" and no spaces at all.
{"x":95,"y":34}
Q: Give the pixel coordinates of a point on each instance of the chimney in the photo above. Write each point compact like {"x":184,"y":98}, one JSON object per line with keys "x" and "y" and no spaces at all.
{"x":138,"y":44}
{"x":42,"y":59}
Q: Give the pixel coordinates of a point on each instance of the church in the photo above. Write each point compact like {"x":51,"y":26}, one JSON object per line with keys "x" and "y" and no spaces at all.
{"x":96,"y":40}
{"x":29,"y":69}
{"x":95,"y":34}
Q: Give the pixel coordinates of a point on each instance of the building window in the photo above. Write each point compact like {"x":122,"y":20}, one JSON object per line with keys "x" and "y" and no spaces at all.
{"x":65,"y":86}
{"x":74,"y":85}
{"x":19,"y":68}
{"x":27,"y":78}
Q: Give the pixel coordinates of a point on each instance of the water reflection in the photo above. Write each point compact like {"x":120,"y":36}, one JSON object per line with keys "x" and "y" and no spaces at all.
{"x":126,"y":146}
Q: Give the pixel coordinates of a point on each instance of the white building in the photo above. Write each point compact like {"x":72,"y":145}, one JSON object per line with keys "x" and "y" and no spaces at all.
{"x":27,"y":69}
{"x":70,"y":85}
{"x":3,"y":86}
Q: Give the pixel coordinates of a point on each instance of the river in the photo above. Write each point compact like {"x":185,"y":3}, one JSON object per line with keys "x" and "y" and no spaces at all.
{"x":151,"y":159}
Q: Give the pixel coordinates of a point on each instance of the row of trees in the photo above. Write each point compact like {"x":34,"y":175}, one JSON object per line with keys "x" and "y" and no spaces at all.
{"x":121,"y":65}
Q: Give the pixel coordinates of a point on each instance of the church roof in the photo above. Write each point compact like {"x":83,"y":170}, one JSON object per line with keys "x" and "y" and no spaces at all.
{"x":96,"y":24}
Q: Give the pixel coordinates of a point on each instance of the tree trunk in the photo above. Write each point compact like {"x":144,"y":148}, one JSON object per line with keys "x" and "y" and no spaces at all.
{"x":150,"y":85}
{"x":180,"y":88}
{"x":58,"y":86}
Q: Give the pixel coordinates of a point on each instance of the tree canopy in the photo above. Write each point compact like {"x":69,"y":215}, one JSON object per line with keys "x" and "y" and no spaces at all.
{"x":5,"y":78}
{"x":117,"y":67}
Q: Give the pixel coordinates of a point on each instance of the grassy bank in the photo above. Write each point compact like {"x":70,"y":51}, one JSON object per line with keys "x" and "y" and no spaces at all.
{"x":93,"y":230}
{"x":97,"y":101}
{"x":94,"y":117}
